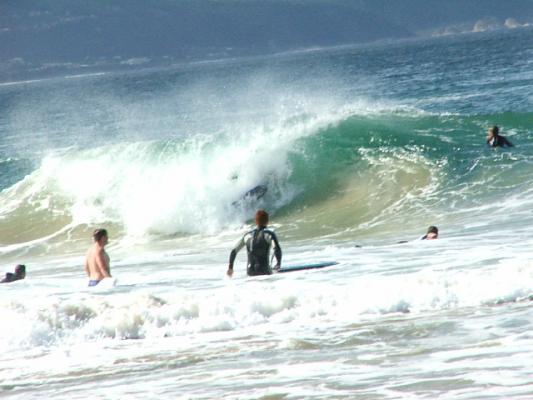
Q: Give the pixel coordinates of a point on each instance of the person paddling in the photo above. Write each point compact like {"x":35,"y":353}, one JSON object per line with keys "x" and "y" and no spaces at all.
{"x":494,"y":139}
{"x":20,"y":273}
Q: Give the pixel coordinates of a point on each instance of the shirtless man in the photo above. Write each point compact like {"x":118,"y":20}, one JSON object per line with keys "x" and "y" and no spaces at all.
{"x":97,"y":260}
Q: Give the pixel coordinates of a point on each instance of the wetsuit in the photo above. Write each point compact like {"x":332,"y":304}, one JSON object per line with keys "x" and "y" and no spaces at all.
{"x":258,"y":244}
{"x":11,"y":277}
{"x":499,"y":141}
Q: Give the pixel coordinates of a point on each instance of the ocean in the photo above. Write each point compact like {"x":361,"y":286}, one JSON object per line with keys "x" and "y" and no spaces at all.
{"x":361,"y":149}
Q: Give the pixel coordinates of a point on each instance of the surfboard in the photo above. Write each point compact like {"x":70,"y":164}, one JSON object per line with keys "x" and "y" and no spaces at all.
{"x":106,"y":283}
{"x":303,"y":267}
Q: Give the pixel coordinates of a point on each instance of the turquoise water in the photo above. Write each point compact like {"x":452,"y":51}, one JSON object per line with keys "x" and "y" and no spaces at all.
{"x":363,"y":146}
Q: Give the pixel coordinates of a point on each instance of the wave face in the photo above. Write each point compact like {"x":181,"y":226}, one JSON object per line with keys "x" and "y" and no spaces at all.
{"x":329,"y":172}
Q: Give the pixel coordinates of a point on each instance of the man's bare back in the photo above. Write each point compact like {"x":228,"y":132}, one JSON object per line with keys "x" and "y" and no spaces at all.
{"x":97,"y":260}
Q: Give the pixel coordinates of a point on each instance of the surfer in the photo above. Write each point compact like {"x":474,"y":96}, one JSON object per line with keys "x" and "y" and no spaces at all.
{"x":494,"y":139}
{"x":258,"y":243}
{"x":253,"y":194}
{"x":97,"y":261}
{"x":20,"y":273}
{"x":432,"y":233}
{"x":256,"y":193}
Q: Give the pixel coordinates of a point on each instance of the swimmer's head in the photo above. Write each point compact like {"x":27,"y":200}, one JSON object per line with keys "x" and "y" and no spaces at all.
{"x":99,"y":234}
{"x":261,"y":218}
{"x":20,"y":270}
{"x":493,"y":132}
{"x":433,"y":229}
{"x":433,"y":232}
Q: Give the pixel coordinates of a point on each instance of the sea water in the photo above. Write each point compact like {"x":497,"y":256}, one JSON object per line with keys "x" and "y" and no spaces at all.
{"x":361,"y":148}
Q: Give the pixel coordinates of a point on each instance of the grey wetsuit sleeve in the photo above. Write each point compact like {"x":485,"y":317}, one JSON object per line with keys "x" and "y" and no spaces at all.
{"x":277,"y":248}
{"x":240,"y":244}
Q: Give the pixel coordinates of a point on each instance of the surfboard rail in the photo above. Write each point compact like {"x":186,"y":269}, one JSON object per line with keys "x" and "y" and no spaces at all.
{"x":303,"y":267}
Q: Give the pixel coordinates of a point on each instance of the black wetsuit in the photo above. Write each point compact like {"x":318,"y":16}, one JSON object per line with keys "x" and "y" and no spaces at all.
{"x":499,"y":141}
{"x":11,"y":277}
{"x":258,"y":244}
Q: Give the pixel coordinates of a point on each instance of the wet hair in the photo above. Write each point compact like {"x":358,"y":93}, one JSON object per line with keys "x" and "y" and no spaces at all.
{"x":20,"y":269}
{"x":495,"y":130}
{"x":433,"y":229}
{"x":99,"y":234}
{"x":261,"y":218}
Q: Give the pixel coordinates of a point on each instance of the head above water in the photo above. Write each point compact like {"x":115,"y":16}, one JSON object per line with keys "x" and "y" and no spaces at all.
{"x":99,"y":234}
{"x":432,"y":233}
{"x":20,"y":270}
{"x":433,"y":229}
{"x":493,"y":131}
{"x":261,"y":218}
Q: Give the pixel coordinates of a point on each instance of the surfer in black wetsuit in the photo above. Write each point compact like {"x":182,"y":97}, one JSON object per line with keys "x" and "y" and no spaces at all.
{"x":253,"y":194}
{"x":20,"y":273}
{"x":258,"y":244}
{"x":495,"y":140}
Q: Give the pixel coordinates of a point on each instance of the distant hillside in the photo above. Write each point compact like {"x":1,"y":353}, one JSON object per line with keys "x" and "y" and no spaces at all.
{"x":75,"y":31}
{"x":48,"y":37}
{"x":427,"y":16}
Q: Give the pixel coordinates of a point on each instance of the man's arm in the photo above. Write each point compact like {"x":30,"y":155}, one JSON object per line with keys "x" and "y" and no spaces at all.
{"x":233,"y":255}
{"x":277,"y":251}
{"x":102,"y":263}
{"x":87,"y":265}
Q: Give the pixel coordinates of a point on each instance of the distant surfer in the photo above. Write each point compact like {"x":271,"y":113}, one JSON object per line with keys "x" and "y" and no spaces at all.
{"x":20,"y":273}
{"x":432,"y":233}
{"x":258,"y":244}
{"x":253,"y":194}
{"x":97,"y":261}
{"x":494,"y":139}
{"x":256,"y":193}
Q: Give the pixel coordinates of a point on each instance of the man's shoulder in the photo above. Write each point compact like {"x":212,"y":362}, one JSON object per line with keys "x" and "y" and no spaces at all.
{"x":98,"y":249}
{"x":248,"y":234}
{"x":270,"y":233}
